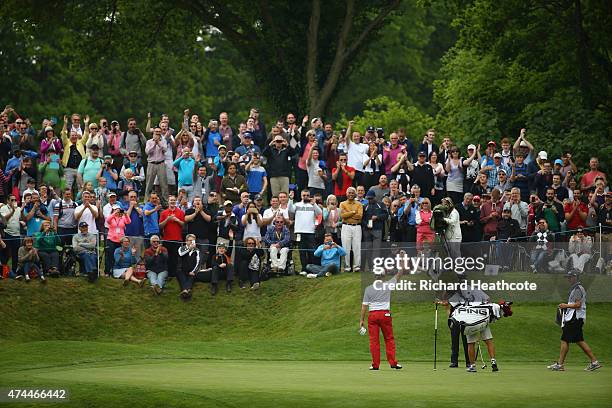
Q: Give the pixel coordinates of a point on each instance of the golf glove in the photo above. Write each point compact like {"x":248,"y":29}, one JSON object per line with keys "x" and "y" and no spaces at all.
{"x":363,"y":331}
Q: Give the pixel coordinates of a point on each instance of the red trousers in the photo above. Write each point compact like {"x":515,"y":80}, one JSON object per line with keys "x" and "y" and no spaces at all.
{"x":381,"y":319}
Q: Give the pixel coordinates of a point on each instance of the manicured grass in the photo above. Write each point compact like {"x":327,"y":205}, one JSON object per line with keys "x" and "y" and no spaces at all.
{"x":213,"y":383}
{"x":293,"y":342}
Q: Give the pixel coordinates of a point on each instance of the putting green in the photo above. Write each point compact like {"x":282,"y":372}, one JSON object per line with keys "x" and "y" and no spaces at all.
{"x":333,"y":384}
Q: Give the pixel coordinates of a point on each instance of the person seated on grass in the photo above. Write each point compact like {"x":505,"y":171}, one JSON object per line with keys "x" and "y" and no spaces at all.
{"x":221,"y":262}
{"x":46,"y":242}
{"x":248,"y":261}
{"x":84,"y":245}
{"x":278,"y":239}
{"x":190,"y":260}
{"x":156,"y":263}
{"x":125,"y":259}
{"x":29,"y":262}
{"x":330,"y":254}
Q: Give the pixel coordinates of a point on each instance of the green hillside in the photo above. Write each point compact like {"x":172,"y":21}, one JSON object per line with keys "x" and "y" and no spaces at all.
{"x":290,"y":318}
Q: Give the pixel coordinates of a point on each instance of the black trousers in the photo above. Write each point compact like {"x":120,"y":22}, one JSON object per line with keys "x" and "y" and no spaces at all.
{"x":66,"y":234}
{"x":455,"y":332}
{"x":246,"y":274}
{"x":306,"y":246}
{"x":185,"y":280}
{"x":173,"y":257}
{"x":11,"y":251}
{"x":204,"y":247}
{"x":216,"y":273}
{"x":301,"y":179}
{"x":109,"y":255}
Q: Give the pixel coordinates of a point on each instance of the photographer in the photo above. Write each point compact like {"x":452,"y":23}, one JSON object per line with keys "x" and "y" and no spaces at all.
{"x":116,"y":223}
{"x":113,"y":141}
{"x":306,"y":213}
{"x":407,"y":214}
{"x":109,"y":173}
{"x":453,"y":228}
{"x":551,"y":211}
{"x":156,"y":157}
{"x":330,"y":254}
{"x":133,"y":140}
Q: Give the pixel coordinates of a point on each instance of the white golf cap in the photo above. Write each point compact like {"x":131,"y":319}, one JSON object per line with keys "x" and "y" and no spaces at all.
{"x":543,"y":155}
{"x":471,"y":147}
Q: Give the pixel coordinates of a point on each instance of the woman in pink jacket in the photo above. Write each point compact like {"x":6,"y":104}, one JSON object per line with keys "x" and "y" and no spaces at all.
{"x":115,"y":223}
{"x":422,"y":218}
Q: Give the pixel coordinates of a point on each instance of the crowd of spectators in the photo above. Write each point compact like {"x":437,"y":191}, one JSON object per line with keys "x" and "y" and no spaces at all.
{"x":211,"y":201}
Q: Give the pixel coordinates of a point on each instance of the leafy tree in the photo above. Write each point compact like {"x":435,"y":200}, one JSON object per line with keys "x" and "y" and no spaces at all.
{"x":538,"y":63}
{"x":391,"y":115}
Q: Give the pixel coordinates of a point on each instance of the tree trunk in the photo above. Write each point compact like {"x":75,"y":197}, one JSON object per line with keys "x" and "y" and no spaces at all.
{"x":312,"y":56}
{"x":582,"y":55}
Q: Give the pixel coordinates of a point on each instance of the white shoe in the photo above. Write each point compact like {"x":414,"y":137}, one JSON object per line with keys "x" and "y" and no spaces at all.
{"x":556,"y":367}
{"x":255,"y":286}
{"x":311,"y":275}
{"x":328,"y":274}
{"x":593,"y":366}
{"x":303,"y":273}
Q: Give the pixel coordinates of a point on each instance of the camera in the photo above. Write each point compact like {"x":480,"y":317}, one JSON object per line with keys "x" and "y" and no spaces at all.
{"x":437,"y":223}
{"x":380,"y":132}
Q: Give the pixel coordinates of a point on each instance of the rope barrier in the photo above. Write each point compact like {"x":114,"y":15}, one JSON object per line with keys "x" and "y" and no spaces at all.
{"x":385,"y":245}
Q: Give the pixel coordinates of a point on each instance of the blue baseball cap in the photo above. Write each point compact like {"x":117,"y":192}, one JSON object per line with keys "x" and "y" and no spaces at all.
{"x":248,"y":135}
{"x":559,"y":162}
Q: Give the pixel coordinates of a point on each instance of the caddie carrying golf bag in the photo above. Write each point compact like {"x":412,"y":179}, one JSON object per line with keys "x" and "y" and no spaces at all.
{"x":475,"y":318}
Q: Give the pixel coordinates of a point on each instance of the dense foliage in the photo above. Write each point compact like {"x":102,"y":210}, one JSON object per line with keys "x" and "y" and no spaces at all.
{"x":473,"y":69}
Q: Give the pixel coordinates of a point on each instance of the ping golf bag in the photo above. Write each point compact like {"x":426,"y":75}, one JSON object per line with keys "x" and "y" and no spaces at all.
{"x":475,"y":318}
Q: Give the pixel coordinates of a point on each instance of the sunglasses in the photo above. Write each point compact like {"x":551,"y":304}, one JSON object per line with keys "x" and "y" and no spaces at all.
{"x":250,"y":244}
{"x":133,"y":155}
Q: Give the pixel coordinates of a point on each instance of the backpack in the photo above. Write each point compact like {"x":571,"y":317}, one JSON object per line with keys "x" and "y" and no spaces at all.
{"x":61,"y":209}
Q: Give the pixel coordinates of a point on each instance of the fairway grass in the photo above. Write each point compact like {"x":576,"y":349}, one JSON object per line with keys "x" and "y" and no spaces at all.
{"x":227,"y":383}
{"x":292,"y":343}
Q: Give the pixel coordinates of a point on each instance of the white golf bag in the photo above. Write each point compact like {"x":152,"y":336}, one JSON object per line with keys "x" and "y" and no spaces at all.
{"x":475,"y":318}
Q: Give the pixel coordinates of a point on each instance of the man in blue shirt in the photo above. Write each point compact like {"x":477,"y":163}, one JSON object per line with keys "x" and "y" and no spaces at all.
{"x":407,"y":214}
{"x":256,"y":177}
{"x":34,"y":213}
{"x":330,"y":254}
{"x":239,"y":210}
{"x":109,"y":173}
{"x":247,"y":148}
{"x":186,"y":167}
{"x":150,"y":217}
{"x":135,"y":228}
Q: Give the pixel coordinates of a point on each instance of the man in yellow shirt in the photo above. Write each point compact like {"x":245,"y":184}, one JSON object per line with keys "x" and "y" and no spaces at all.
{"x":351,"y":212}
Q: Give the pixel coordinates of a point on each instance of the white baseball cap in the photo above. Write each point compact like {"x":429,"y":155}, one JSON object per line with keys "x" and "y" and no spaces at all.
{"x":471,"y":147}
{"x":543,"y":155}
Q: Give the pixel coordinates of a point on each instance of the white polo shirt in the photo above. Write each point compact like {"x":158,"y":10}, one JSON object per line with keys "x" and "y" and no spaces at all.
{"x":378,"y":299}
